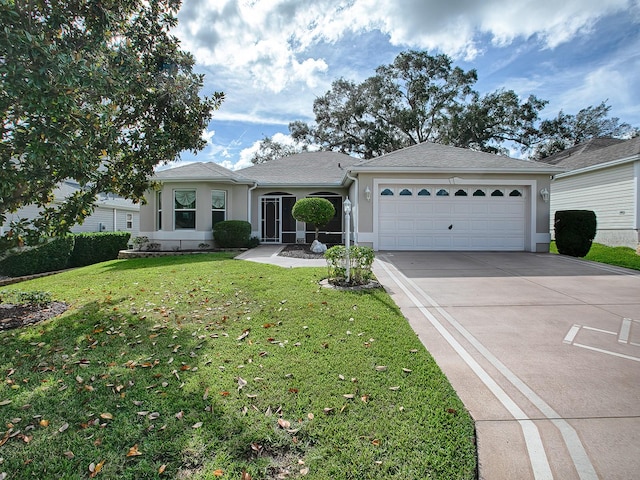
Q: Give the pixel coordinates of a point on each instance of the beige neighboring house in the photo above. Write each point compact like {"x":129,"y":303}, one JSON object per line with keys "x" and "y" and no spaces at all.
{"x":602,"y":175}
{"x":424,"y":197}
{"x":111,"y":213}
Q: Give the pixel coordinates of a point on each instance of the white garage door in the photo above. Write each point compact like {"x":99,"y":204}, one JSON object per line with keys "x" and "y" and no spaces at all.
{"x":451,"y":217}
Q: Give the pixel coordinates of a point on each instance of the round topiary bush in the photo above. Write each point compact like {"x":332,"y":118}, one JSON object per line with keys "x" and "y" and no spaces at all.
{"x":575,"y":231}
{"x":315,"y":210}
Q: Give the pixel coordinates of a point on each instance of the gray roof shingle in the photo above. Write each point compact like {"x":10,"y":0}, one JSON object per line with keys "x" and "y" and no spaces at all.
{"x":200,"y":171}
{"x":434,"y":157}
{"x":307,"y":168}
{"x":581,"y":158}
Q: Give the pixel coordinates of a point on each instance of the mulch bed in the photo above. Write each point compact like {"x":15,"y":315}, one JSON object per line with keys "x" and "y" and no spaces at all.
{"x":299,"y":250}
{"x":16,"y":316}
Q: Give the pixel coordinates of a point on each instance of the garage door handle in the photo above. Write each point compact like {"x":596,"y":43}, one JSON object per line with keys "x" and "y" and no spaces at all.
{"x":450,"y":227}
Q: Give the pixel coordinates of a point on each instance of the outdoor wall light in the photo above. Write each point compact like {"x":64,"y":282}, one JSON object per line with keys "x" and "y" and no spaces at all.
{"x":544,"y":194}
{"x":367,"y":193}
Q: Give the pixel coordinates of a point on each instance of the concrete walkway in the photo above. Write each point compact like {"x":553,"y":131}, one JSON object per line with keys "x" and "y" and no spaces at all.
{"x":544,"y":351}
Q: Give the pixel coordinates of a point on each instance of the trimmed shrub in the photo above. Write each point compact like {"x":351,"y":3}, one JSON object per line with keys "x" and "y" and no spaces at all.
{"x":360,"y":261}
{"x":575,"y":231}
{"x":232,"y":233}
{"x":93,"y":248}
{"x":315,"y":210}
{"x":52,"y":255}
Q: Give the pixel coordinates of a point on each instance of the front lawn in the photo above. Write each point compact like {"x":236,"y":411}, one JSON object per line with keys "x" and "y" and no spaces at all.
{"x":205,"y":367}
{"x":619,"y":256}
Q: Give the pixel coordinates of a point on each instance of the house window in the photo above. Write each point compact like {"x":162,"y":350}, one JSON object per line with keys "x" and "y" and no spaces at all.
{"x":515,"y":193}
{"x":185,"y":209}
{"x":442,"y":193}
{"x":405,"y":192}
{"x":497,"y":193}
{"x":386,"y":192}
{"x":159,"y":210}
{"x":424,"y":193}
{"x":129,"y":221}
{"x":218,"y":206}
{"x":479,"y":193}
{"x":461,"y":193}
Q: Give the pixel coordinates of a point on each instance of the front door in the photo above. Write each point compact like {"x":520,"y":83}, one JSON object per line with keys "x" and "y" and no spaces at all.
{"x":277,"y":225}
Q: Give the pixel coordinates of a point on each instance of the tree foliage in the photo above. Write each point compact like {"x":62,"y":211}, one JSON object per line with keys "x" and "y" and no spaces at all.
{"x":98,"y":92}
{"x":315,"y":210}
{"x":420,"y":98}
{"x":565,"y":130}
{"x":270,"y":149}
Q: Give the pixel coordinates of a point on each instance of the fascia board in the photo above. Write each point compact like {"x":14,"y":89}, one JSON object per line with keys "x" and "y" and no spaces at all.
{"x":599,"y":166}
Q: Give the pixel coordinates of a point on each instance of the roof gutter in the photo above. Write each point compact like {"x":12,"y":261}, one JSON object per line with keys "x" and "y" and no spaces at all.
{"x":599,"y":166}
{"x":520,"y":171}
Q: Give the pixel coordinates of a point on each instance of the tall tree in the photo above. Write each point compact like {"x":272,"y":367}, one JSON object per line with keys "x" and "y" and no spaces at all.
{"x":565,"y":130}
{"x":270,"y":149}
{"x":99,"y":92}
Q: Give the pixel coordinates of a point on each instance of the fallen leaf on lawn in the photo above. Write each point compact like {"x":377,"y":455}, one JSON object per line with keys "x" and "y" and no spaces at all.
{"x":310,"y":416}
{"x":196,"y":425}
{"x":106,"y":416}
{"x":349,"y":396}
{"x":381,"y":368}
{"x":95,"y":469}
{"x":218,"y":473}
{"x":364,"y":398}
{"x":284,"y":423}
{"x":63,"y":427}
{"x":375,"y":442}
{"x":224,"y":394}
{"x":5,"y":402}
{"x":415,"y":350}
{"x":245,"y":475}
{"x":327,"y":410}
{"x":4,"y":439}
{"x":162,"y":468}
{"x":241,"y":383}
{"x":179,"y":415}
{"x":44,"y":423}
{"x":69,"y":454}
{"x":79,"y":379}
{"x":452,"y":411}
{"x":143,"y":413}
{"x":206,"y":394}
{"x":293,"y":390}
{"x":304,"y":471}
{"x":244,"y":335}
{"x":406,"y":370}
{"x":133,"y":451}
{"x":153,"y":416}
{"x":394,"y":388}
{"x":341,"y":377}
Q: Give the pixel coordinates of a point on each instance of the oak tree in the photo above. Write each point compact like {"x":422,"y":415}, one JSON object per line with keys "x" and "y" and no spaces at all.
{"x":94,"y":91}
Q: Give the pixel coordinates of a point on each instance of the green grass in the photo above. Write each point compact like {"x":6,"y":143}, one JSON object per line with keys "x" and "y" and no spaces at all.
{"x":619,"y":256}
{"x":152,"y":354}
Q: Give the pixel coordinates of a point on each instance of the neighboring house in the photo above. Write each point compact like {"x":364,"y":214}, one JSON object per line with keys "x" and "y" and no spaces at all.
{"x":602,"y":175}
{"x":424,"y":197}
{"x":111,"y":213}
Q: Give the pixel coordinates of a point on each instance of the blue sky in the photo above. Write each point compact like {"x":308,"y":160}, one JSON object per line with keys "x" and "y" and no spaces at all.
{"x":271,"y":58}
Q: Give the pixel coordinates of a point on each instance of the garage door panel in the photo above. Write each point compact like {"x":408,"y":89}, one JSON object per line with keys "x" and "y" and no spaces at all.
{"x":477,"y":223}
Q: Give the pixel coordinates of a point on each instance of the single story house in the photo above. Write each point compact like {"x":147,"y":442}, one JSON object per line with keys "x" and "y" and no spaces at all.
{"x":602,"y":175}
{"x":424,"y":197}
{"x":111,"y":213}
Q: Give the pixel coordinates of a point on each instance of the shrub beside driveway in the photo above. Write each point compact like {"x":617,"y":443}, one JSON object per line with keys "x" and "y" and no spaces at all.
{"x":203,"y":367}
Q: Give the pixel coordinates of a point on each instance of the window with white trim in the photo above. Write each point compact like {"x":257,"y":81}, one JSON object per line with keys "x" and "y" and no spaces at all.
{"x":184,"y":208}
{"x":218,"y":206}
{"x":129,"y":221}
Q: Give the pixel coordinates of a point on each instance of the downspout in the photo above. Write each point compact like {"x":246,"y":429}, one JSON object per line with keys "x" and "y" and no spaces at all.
{"x":356,"y":214}
{"x":249,"y":219}
{"x":115,"y":219}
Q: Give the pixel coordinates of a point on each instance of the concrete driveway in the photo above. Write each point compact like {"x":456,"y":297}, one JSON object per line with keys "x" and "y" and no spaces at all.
{"x":544,"y":351}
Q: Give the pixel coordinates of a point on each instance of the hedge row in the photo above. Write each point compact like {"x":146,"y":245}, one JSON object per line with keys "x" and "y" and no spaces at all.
{"x":63,"y":252}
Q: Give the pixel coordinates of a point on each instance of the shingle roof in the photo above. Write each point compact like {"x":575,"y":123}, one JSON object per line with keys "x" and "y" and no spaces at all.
{"x":200,"y":171}
{"x":307,"y":168}
{"x":586,"y":158}
{"x":433,"y":157}
{"x":588,"y":146}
